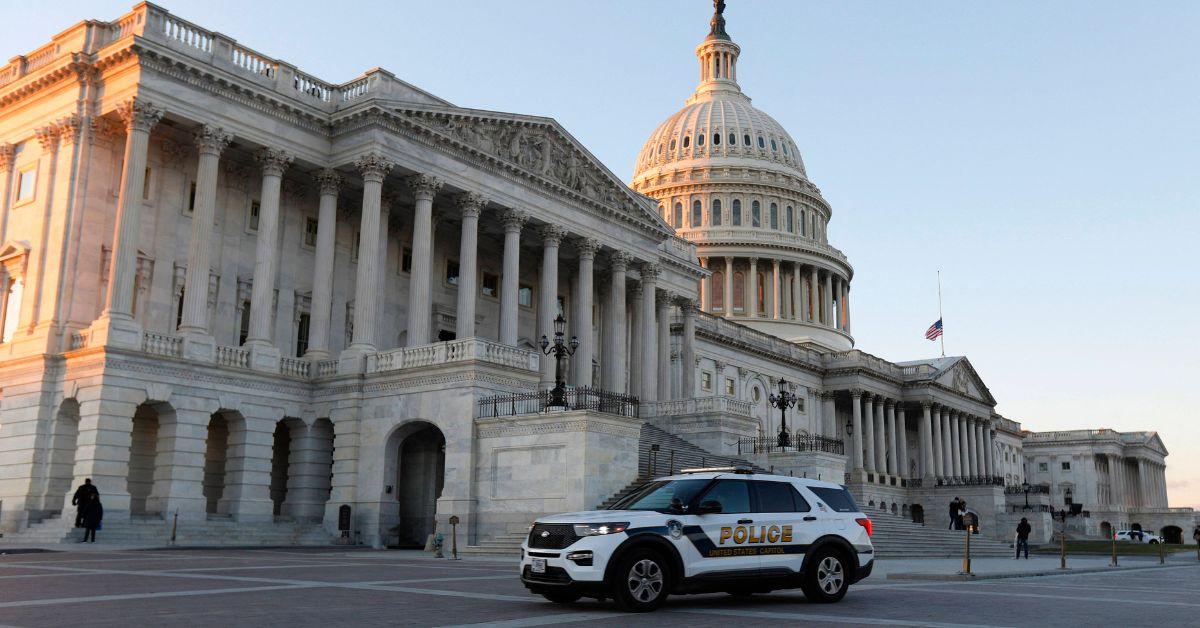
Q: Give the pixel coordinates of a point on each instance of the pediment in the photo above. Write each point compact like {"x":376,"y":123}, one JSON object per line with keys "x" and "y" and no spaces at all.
{"x":540,"y":148}
{"x":961,"y":376}
{"x":14,"y":255}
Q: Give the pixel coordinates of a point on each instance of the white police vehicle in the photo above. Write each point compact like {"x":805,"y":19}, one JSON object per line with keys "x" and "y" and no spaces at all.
{"x":703,"y":531}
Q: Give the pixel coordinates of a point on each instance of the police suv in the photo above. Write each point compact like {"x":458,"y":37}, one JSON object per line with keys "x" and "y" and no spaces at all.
{"x":703,"y":531}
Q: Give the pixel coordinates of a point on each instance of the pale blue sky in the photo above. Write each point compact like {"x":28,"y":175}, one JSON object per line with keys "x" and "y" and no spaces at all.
{"x":1045,"y":156}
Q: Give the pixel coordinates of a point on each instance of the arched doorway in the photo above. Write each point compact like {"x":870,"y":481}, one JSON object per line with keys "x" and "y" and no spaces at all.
{"x":61,"y":460}
{"x":918,"y":513}
{"x":215,"y":458}
{"x":142,"y":451}
{"x":420,"y":468}
{"x":1106,"y":529}
{"x":1172,"y":534}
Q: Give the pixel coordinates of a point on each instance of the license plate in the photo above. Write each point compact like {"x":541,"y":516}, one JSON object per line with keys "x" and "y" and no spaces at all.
{"x":538,"y":566}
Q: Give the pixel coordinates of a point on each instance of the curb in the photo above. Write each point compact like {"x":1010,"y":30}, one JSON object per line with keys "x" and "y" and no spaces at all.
{"x":935,"y":577}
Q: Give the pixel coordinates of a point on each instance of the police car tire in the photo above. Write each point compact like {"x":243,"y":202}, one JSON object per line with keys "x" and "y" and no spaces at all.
{"x":822,"y":571}
{"x":650,"y":564}
{"x":562,"y":597}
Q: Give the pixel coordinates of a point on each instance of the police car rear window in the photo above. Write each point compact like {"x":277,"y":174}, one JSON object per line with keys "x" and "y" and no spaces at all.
{"x":839,"y":499}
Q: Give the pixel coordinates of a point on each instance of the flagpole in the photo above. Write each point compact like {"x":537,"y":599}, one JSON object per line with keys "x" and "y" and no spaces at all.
{"x":942,"y":337}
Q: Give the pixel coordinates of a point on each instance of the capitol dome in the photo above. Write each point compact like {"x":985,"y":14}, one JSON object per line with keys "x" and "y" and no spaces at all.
{"x":730,"y":179}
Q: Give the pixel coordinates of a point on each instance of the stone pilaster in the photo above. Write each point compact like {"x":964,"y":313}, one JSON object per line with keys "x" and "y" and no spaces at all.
{"x":470,"y":205}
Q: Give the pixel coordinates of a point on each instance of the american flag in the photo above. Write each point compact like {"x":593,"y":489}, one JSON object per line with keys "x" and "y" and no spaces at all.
{"x":934,"y":330}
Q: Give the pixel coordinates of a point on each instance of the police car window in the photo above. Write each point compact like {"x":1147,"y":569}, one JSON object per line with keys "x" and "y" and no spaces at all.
{"x":798,"y":499}
{"x":839,"y":499}
{"x":733,"y":495}
{"x":669,"y":496}
{"x":775,"y":497}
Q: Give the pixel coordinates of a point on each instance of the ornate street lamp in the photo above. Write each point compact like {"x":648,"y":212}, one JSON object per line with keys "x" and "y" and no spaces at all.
{"x":561,"y":351}
{"x":1025,"y":487}
{"x":783,"y":401}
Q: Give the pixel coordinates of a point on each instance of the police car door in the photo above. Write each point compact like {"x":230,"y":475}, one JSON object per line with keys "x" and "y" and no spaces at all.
{"x":784,"y":527}
{"x":722,"y":539}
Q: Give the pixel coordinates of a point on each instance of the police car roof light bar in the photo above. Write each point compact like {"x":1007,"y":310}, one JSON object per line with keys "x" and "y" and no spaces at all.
{"x":742,"y":470}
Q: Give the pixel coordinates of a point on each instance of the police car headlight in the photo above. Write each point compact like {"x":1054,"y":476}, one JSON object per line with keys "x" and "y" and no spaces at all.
{"x":599,"y":529}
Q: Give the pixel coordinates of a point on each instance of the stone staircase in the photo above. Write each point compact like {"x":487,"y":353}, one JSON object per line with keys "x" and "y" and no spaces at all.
{"x":154,"y":531}
{"x":897,"y":537}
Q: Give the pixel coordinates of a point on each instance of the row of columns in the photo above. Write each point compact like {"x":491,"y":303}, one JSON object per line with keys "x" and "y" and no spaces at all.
{"x":793,"y":292}
{"x":1144,"y":488}
{"x":956,"y":444}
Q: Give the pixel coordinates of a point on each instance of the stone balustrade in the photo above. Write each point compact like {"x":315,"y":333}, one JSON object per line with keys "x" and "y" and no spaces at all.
{"x":295,"y":367}
{"x":236,"y":357}
{"x":697,"y":405}
{"x":162,"y":344}
{"x":464,"y":350}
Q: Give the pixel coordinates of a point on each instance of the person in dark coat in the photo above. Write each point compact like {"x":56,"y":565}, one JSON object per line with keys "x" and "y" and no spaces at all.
{"x":93,"y":513}
{"x":81,"y":493}
{"x":1023,"y":530}
{"x":954,"y":508}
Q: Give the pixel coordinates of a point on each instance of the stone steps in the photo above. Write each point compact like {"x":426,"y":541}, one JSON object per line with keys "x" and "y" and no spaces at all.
{"x":896,"y":537}
{"x":153,"y":531}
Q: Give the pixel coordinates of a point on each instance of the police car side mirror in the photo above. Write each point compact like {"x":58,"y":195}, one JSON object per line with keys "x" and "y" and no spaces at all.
{"x":709,"y":507}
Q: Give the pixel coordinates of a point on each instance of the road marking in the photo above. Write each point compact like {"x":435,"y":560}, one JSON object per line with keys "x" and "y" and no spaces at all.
{"x":143,"y":596}
{"x":541,"y":620}
{"x":419,"y":580}
{"x":1094,"y":587}
{"x":838,"y":619}
{"x":967,"y":591}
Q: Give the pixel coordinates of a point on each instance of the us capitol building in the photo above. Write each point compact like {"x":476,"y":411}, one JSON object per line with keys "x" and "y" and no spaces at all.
{"x":254,"y":306}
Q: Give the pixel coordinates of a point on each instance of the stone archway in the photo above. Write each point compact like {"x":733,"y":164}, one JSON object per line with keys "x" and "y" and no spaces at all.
{"x":1172,"y":534}
{"x":60,"y":462}
{"x":1106,"y":529}
{"x":150,"y":450}
{"x":416,"y":476}
{"x":301,"y":468}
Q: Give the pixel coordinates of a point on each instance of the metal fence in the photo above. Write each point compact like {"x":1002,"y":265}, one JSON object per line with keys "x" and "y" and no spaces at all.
{"x":578,"y":398}
{"x":770,"y":444}
{"x":979,"y":480}
{"x":1034,"y":489}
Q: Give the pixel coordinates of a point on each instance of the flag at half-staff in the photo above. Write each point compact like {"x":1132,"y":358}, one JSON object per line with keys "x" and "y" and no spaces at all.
{"x":935,"y":330}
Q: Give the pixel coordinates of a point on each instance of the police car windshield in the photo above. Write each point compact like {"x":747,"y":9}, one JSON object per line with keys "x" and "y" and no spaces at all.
{"x":665,"y":496}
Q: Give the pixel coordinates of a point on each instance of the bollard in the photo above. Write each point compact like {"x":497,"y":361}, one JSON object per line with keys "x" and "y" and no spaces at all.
{"x":1062,"y":551}
{"x":966,"y":566}
{"x":1114,"y":551}
{"x":1162,"y":555}
{"x":453,"y":537}
{"x":174,"y":526}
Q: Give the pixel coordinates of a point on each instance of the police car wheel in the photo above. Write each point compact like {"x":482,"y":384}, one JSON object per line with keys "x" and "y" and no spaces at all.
{"x":562,"y":597}
{"x":826,"y":578}
{"x":640,"y":581}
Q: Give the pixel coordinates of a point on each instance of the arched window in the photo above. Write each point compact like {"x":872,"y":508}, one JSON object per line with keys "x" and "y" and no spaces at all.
{"x":678,"y":217}
{"x":804,"y":222}
{"x":732,"y":139}
{"x":746,"y":139}
{"x":761,"y":143}
{"x":672,"y":143}
{"x":785,"y":148}
{"x":687,"y":140}
{"x":761,"y":294}
{"x":739,"y":292}
{"x":699,"y":139}
{"x":697,"y":213}
{"x":716,"y":139}
{"x":755,"y":214}
{"x":737,"y":213}
{"x":774,"y":149}
{"x":774,"y":216}
{"x":787,"y":217}
{"x":718,"y":291}
{"x":716,"y":212}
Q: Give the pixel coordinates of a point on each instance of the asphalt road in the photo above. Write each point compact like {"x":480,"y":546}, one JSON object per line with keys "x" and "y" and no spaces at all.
{"x":297,"y":587}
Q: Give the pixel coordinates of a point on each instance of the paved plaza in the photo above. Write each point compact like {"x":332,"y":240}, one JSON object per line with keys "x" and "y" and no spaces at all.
{"x":297,"y":587}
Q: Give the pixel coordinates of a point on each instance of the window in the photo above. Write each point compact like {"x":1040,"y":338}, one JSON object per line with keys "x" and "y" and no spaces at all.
{"x":705,"y":380}
{"x":746,"y":139}
{"x":672,"y":144}
{"x":839,"y":499}
{"x":490,"y":286}
{"x":146,"y":183}
{"x":779,"y":497}
{"x":302,"y":335}
{"x":739,"y":291}
{"x":774,"y":216}
{"x":756,"y":394}
{"x":678,"y":216}
{"x":755,"y":214}
{"x":803,"y":222}
{"x":729,"y":386}
{"x":26,"y":180}
{"x":666,"y":496}
{"x":244,"y":327}
{"x":1066,"y":466}
{"x":1043,"y":467}
{"x":452,"y":272}
{"x":406,"y":260}
{"x":761,"y":143}
{"x":687,"y":140}
{"x":784,"y":144}
{"x":732,"y":495}
{"x":310,"y":231}
{"x":697,"y":213}
{"x":732,"y":139}
{"x":11,"y":313}
{"x":179,"y":310}
{"x":525,"y":295}
{"x":737,"y":212}
{"x":774,"y":148}
{"x":716,"y":212}
{"x":191,"y":204}
{"x":716,"y":139}
{"x":787,"y":220}
{"x":699,"y":139}
{"x":718,"y":291}
{"x":252,"y":223}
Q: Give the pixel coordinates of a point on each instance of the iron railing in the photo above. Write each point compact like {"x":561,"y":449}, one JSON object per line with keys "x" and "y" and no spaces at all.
{"x":1034,"y":489}
{"x":578,"y":398}
{"x":797,"y":443}
{"x":975,"y":480}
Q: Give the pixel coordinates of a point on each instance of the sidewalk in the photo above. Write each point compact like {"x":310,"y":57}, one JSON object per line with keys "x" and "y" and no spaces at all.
{"x":988,"y":568}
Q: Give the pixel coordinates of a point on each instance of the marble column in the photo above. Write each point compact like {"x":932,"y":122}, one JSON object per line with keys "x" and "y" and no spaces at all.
{"x":752,"y":283}
{"x":266,"y":249}
{"x":210,"y":142}
{"x":687,"y":353}
{"x":980,"y":450}
{"x":989,"y":444}
{"x":776,"y":291}
{"x":633,"y":340}
{"x":828,"y":415}
{"x":584,"y":355}
{"x":846,"y":304}
{"x":662,"y":306}
{"x":829,"y":300}
{"x":965,"y":443}
{"x":374,"y":168}
{"x":471,"y":205}
{"x":510,"y":276}
{"x":925,"y":429}
{"x":420,"y":295}
{"x":614,"y":371}
{"x":706,"y":286}
{"x":892,"y":442}
{"x":901,"y":442}
{"x":955,"y":446}
{"x":140,"y":117}
{"x":881,"y":456}
{"x":547,"y":311}
{"x":868,"y":420}
{"x":844,"y":309}
{"x":322,"y":295}
{"x":939,"y":459}
{"x":797,"y":312}
{"x":649,"y":333}
{"x":856,"y":425}
{"x":1117,"y":474}
{"x":727,"y":294}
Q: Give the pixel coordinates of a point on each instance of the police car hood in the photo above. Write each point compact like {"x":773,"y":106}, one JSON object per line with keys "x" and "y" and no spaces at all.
{"x":599,"y":516}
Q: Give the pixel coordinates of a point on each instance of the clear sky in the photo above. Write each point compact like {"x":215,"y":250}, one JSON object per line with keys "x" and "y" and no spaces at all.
{"x":1044,"y":155}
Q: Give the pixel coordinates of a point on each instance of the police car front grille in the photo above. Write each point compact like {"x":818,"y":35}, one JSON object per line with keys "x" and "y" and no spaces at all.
{"x":552,"y":536}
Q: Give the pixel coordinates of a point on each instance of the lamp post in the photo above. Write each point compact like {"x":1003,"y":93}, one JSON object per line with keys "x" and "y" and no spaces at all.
{"x":561,"y":351}
{"x":783,"y":401}
{"x":1025,"y":487}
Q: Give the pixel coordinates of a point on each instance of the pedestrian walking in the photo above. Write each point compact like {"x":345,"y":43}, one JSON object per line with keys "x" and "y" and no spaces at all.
{"x":93,"y":514}
{"x":1023,"y":530}
{"x":954,"y":508}
{"x":81,"y":494}
{"x":1196,"y":538}
{"x":962,"y":514}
